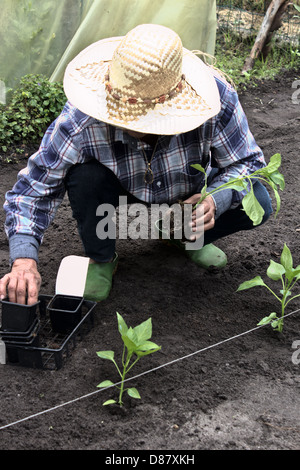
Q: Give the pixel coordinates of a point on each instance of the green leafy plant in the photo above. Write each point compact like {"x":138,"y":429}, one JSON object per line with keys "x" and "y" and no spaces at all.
{"x":31,"y":108}
{"x":232,"y":50}
{"x":136,"y":344}
{"x":269,"y":175}
{"x":288,"y":275}
{"x":297,"y":8}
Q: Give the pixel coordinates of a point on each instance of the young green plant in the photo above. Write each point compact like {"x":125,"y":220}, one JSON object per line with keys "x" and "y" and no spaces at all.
{"x":288,"y":276}
{"x":136,"y":344}
{"x":297,"y":8}
{"x":269,"y":175}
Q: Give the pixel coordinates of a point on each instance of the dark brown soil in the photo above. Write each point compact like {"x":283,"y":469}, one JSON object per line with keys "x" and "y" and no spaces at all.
{"x":240,"y":394}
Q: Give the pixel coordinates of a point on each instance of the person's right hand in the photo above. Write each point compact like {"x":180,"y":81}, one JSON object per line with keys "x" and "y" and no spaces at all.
{"x":23,"y":283}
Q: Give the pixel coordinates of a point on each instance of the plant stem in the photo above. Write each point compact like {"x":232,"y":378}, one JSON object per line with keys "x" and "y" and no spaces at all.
{"x":229,"y":183}
{"x":122,"y":387}
{"x":221,"y":187}
{"x":280,"y":300}
{"x":123,"y":355}
{"x":117,"y":368}
{"x":126,"y":369}
{"x":132,"y":365}
{"x":280,"y":323}
{"x":292,"y":298}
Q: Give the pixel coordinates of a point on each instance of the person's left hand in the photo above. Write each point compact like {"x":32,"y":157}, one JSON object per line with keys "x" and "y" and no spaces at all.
{"x":203,"y":217}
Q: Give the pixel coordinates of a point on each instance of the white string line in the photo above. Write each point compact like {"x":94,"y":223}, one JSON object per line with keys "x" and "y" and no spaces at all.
{"x":141,"y":374}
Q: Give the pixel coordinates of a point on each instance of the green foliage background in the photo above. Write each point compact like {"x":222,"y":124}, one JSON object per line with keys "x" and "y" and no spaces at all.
{"x":35,"y":101}
{"x":33,"y":105}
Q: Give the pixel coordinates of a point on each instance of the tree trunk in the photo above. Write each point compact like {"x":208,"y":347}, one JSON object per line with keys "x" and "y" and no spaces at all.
{"x":271,"y":22}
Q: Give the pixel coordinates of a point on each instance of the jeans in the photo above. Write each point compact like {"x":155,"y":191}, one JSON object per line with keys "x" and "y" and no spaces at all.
{"x":91,"y":184}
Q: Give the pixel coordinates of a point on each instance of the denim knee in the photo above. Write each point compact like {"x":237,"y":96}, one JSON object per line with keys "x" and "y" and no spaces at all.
{"x":264,"y":199}
{"x":91,"y":180}
{"x":90,"y":185}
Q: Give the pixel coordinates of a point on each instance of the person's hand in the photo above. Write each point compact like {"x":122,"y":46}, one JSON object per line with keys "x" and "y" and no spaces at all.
{"x":23,"y":283}
{"x":203,"y":217}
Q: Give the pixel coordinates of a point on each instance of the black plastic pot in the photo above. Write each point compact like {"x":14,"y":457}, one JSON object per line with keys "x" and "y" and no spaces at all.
{"x":65,"y":312}
{"x":16,"y":349}
{"x":14,"y":339}
{"x":17,"y":337}
{"x":18,"y":317}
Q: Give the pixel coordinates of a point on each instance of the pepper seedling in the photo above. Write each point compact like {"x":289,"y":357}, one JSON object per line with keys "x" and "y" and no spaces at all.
{"x":288,"y":276}
{"x":136,"y":344}
{"x":269,"y":175}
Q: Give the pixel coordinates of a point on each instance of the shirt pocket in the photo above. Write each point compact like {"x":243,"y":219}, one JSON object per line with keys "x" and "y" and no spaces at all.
{"x":192,"y":178}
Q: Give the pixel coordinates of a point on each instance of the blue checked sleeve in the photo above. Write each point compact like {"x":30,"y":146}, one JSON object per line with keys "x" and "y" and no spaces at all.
{"x":31,"y":204}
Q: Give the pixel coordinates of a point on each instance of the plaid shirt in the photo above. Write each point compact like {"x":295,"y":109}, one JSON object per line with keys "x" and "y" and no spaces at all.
{"x":224,"y":141}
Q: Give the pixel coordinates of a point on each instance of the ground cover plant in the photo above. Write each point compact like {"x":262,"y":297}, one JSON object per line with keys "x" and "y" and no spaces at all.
{"x":136,"y":345}
{"x":288,"y":276}
{"x":30,"y":109}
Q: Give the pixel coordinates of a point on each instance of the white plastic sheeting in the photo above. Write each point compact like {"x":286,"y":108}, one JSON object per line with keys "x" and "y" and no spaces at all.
{"x":42,"y":36}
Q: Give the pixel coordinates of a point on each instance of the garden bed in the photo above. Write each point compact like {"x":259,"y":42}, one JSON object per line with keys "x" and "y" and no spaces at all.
{"x":241,"y":394}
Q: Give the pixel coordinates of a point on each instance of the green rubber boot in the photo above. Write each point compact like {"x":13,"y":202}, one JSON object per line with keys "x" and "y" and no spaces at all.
{"x":99,"y":280}
{"x":206,"y":257}
{"x":209,"y":256}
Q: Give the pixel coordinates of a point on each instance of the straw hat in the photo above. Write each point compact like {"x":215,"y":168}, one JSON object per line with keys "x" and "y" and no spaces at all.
{"x":144,"y":81}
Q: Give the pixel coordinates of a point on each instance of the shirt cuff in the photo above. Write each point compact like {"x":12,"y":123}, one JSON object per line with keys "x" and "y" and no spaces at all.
{"x":23,"y":246}
{"x":222,"y":199}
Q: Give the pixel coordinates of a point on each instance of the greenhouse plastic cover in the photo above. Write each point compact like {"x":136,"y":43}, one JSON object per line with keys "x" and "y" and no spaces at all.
{"x":43,"y":36}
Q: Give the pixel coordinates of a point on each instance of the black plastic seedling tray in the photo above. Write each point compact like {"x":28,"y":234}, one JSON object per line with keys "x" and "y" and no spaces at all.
{"x":50,"y":347}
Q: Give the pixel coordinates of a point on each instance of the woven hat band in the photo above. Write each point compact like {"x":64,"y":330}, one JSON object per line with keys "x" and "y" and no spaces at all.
{"x":147,"y":64}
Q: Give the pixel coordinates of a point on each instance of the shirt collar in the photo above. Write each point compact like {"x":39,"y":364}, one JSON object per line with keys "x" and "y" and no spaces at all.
{"x":122,"y":136}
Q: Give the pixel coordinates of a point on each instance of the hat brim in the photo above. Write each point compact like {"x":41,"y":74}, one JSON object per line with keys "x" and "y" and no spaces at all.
{"x":86,"y":91}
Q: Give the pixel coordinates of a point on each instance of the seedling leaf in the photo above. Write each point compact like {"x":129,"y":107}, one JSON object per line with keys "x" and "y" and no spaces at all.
{"x":256,"y":281}
{"x":253,"y":208}
{"x":147,"y":348}
{"x":289,"y":274}
{"x":286,"y":258}
{"x":105,"y":383}
{"x":278,"y":202}
{"x":129,"y":340}
{"x":133,"y":393}
{"x":106,"y":355}
{"x":297,"y":273}
{"x":237,"y":184}
{"x":278,"y":178}
{"x":198,"y":167}
{"x":287,"y":293}
{"x":272,"y":166}
{"x":143,"y":331}
{"x":267,"y":319}
{"x":109,"y":402}
{"x":123,"y":328}
{"x":275,"y":270}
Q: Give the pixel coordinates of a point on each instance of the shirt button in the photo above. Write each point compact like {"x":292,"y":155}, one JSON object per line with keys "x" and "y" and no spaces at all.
{"x":158,"y":184}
